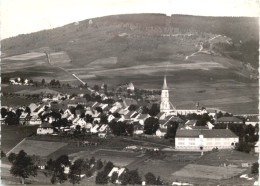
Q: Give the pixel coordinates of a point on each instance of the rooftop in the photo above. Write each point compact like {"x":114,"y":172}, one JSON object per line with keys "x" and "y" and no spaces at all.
{"x":214,"y":133}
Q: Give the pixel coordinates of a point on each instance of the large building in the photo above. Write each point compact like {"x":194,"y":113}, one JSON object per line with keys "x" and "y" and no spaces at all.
{"x":165,"y":106}
{"x":205,"y":139}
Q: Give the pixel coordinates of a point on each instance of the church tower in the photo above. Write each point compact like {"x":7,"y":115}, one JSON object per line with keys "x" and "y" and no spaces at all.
{"x":165,"y":103}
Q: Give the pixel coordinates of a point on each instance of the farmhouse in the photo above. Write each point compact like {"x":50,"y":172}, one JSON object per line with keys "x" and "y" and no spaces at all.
{"x":198,"y":139}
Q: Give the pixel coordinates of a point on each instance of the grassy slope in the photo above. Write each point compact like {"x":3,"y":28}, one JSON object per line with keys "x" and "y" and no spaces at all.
{"x":142,"y":55}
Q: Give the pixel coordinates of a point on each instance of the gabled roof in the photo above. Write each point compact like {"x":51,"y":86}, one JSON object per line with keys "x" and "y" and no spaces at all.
{"x":46,"y":125}
{"x":252,"y":119}
{"x":135,"y":115}
{"x":143,"y":116}
{"x":191,"y":122}
{"x":214,"y":133}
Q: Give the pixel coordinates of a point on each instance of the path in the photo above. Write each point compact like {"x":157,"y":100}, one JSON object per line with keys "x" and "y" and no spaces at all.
{"x":7,"y":154}
{"x":147,"y":142}
{"x":201,"y":47}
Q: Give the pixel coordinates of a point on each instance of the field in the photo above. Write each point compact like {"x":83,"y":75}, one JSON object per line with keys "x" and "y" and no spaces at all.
{"x":12,"y":135}
{"x":38,"y":148}
{"x":119,"y":158}
{"x":207,"y":172}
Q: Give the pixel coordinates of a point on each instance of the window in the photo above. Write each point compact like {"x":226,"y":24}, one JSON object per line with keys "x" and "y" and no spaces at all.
{"x":191,"y":139}
{"x":180,"y":143}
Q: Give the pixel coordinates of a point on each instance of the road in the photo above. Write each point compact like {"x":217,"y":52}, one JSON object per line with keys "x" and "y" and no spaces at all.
{"x":201,"y":47}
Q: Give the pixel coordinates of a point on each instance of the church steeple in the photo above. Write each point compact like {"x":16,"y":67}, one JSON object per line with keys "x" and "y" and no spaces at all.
{"x":165,"y":84}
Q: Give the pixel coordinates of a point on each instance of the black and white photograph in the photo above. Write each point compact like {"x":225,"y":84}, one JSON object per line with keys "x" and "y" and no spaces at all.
{"x":129,"y":92}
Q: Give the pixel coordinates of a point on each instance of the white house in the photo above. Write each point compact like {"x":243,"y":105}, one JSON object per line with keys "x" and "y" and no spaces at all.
{"x":161,"y":132}
{"x":117,"y":170}
{"x":35,"y":120}
{"x":205,"y":139}
{"x":252,"y":120}
{"x":45,"y":128}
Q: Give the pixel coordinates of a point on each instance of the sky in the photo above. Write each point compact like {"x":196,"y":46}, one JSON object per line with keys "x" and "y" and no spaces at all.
{"x":26,"y":16}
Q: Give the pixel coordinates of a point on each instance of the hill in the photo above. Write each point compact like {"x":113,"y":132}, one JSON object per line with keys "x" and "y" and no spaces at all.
{"x":200,"y":52}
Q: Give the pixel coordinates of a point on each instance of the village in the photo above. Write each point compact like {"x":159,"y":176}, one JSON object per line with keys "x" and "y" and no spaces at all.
{"x":146,"y":123}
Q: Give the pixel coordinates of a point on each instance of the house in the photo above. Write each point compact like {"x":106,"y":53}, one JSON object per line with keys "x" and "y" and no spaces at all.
{"x":45,"y":128}
{"x":94,"y":129}
{"x":252,"y":120}
{"x":117,"y":170}
{"x":161,"y":115}
{"x":79,"y":121}
{"x":102,"y":135}
{"x":168,"y":120}
{"x":229,"y":120}
{"x":35,"y":120}
{"x":212,"y":112}
{"x":130,"y":87}
{"x":110,"y":118}
{"x":103,"y":128}
{"x":138,"y":128}
{"x":161,"y":132}
{"x":142,"y":118}
{"x":257,"y":147}
{"x":191,"y":123}
{"x":24,"y":118}
{"x":198,"y":139}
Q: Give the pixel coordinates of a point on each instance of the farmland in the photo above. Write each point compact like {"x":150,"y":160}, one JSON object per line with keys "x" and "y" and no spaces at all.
{"x":38,"y":148}
{"x":12,"y":135}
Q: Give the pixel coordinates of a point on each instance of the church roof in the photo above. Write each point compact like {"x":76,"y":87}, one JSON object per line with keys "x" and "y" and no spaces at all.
{"x":165,"y":84}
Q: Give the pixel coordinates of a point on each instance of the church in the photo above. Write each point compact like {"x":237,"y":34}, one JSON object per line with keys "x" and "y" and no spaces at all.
{"x":166,"y":106}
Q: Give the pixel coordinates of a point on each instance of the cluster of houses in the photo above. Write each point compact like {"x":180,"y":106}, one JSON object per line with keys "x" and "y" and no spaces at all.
{"x":76,"y":109}
{"x":18,"y":81}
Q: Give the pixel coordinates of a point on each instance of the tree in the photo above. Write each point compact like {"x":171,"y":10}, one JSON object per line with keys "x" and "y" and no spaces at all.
{"x":108,"y":167}
{"x":43,"y":81}
{"x":255,"y":168}
{"x":99,"y":164}
{"x":145,"y":110}
{"x":23,"y":166}
{"x":244,"y":147}
{"x":76,"y":170}
{"x":3,"y":154}
{"x":103,"y":119}
{"x":11,"y":119}
{"x":114,"y":177}
{"x":11,"y":158}
{"x":27,"y":110}
{"x":171,"y":129}
{"x":96,"y":87}
{"x":102,"y":178}
{"x":151,"y":125}
{"x":154,"y":110}
{"x":131,"y":177}
{"x":56,"y":169}
{"x":3,"y":112}
{"x":150,"y":179}
{"x":89,"y":118}
{"x":99,"y":109}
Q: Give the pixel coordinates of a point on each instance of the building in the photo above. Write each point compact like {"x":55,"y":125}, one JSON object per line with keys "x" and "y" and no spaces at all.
{"x":229,"y":120}
{"x":45,"y":128}
{"x":130,"y":87}
{"x":252,"y":120}
{"x":165,"y":106}
{"x":198,"y":139}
